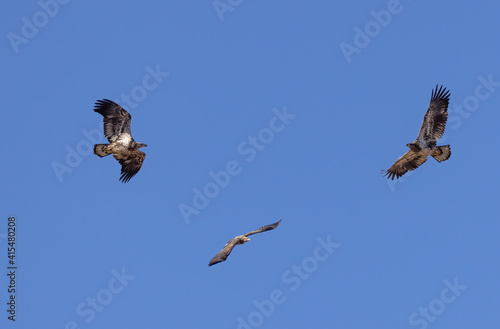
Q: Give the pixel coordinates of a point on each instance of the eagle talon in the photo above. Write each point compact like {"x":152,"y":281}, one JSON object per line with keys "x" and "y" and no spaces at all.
{"x":432,"y":129}
{"x":121,"y":144}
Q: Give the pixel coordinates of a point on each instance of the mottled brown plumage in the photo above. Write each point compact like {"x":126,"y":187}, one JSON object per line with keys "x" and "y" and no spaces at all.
{"x":121,"y":144}
{"x":431,"y":130}
{"x":224,"y":253}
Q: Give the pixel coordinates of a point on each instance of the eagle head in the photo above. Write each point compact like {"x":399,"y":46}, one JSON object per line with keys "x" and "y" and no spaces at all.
{"x":414,"y":147}
{"x":242,"y":239}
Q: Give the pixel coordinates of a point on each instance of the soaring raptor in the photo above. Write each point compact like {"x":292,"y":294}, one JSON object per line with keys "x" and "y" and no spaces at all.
{"x":121,"y":144}
{"x":224,"y":253}
{"x":432,"y":129}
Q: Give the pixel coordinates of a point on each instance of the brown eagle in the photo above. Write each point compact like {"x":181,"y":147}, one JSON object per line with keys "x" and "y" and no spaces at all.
{"x":432,"y":129}
{"x":121,"y":144}
{"x":224,"y":253}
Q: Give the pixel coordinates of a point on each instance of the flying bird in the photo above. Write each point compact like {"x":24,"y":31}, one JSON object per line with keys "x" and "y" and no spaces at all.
{"x":224,"y":253}
{"x":121,"y":144}
{"x":432,"y":129}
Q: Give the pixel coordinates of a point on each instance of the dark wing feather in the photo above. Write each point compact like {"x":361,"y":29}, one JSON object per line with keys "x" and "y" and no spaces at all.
{"x":131,"y":162}
{"x":116,"y":119}
{"x":409,"y":161}
{"x":437,"y":114}
{"x":224,"y":253}
{"x":264,"y":228}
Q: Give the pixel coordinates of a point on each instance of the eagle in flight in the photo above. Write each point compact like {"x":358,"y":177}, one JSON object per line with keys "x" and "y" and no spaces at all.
{"x":432,"y":129}
{"x":224,"y":253}
{"x":121,"y":144}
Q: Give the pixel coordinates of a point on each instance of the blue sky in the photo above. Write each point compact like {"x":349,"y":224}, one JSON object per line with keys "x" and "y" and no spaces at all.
{"x":268,"y":110}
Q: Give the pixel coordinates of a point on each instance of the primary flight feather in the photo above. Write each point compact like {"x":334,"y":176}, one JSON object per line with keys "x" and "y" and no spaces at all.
{"x":432,"y":129}
{"x":224,"y":253}
{"x":121,"y":144}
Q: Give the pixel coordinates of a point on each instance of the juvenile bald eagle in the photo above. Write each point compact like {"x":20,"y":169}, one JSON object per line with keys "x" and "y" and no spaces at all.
{"x":121,"y":144}
{"x":224,"y":253}
{"x":432,"y":129}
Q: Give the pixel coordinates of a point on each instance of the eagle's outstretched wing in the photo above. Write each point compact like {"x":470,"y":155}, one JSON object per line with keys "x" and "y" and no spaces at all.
{"x":224,"y":253}
{"x":264,"y":228}
{"x":437,"y":114}
{"x":131,"y":162}
{"x":409,"y":161}
{"x":116,"y":119}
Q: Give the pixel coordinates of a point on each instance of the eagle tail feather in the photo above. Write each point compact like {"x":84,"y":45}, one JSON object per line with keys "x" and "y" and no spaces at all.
{"x":442,"y":153}
{"x":101,"y":150}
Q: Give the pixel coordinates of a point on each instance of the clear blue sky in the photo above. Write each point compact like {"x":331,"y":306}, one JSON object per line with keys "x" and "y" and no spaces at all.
{"x":269,"y":110}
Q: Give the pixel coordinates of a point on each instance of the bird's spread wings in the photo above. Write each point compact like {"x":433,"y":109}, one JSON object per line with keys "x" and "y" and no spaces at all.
{"x":264,"y":228}
{"x":116,"y":119}
{"x":409,"y":161}
{"x":131,"y":162}
{"x":437,"y":114}
{"x":224,"y":253}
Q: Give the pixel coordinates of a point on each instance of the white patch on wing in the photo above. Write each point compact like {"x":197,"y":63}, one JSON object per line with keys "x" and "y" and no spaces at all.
{"x":124,"y":139}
